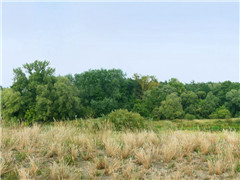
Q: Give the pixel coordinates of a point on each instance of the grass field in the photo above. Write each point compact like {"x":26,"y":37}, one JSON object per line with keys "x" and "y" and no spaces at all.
{"x":76,"y":150}
{"x":202,"y":125}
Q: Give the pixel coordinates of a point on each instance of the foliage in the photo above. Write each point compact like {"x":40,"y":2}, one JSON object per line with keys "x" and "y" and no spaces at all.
{"x":11,"y":104}
{"x":209,"y":105}
{"x":37,"y":95}
{"x":221,"y":113}
{"x":171,"y":108}
{"x":123,"y":119}
{"x":141,"y":108}
{"x":190,"y":103}
{"x":190,"y":116}
{"x":233,"y":101}
{"x":178,"y":85}
{"x":60,"y":101}
{"x":103,"y":107}
{"x":196,"y":87}
{"x":105,"y":90}
{"x":152,"y":99}
{"x":43,"y":96}
{"x":146,"y":82}
{"x":188,"y":98}
{"x":201,"y":94}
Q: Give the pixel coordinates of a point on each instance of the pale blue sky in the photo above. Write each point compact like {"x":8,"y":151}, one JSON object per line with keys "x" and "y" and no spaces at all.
{"x":188,"y":41}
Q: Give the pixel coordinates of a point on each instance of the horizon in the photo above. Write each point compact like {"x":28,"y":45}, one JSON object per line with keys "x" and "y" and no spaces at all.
{"x":188,"y":41}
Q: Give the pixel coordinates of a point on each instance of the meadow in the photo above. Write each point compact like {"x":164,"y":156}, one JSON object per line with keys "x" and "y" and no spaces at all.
{"x":78,"y":150}
{"x":198,"y":124}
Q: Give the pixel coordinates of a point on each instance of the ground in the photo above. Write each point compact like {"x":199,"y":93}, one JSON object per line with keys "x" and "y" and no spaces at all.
{"x":76,"y":150}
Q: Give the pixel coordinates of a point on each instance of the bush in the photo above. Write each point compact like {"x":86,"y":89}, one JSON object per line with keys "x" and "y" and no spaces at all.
{"x":123,"y":119}
{"x":190,"y":116}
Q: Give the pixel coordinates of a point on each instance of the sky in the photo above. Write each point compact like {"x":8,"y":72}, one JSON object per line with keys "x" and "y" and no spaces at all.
{"x":187,"y":41}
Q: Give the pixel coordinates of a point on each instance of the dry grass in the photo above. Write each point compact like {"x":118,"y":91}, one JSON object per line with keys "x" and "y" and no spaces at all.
{"x":64,"y":151}
{"x":144,"y":157}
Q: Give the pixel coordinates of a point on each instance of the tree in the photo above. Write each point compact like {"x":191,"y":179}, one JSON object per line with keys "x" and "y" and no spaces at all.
{"x":11,"y":104}
{"x":171,"y":108}
{"x":129,"y":93}
{"x":141,"y":108}
{"x":67,"y":102}
{"x":105,"y":106}
{"x":233,"y":102}
{"x":44,"y":103}
{"x":188,"y":98}
{"x":209,"y":105}
{"x":221,"y":113}
{"x":37,"y":73}
{"x":59,"y":101}
{"x":103,"y":88}
{"x":145,"y":82}
{"x":38,"y":95}
{"x":221,"y":90}
{"x":152,"y":99}
{"x":70,"y":77}
{"x":189,"y":102}
{"x":178,"y":85}
{"x":195,"y":87}
{"x":201,"y":94}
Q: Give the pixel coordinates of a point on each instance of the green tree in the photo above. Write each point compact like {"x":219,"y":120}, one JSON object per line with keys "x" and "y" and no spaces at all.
{"x":189,"y":102}
{"x":145,"y":83}
{"x":37,"y":95}
{"x":59,"y":101}
{"x":171,"y":108}
{"x":188,"y":98}
{"x":11,"y":104}
{"x":209,"y":105}
{"x":233,"y":102}
{"x":201,"y":94}
{"x":221,"y":113}
{"x":67,"y":102}
{"x":195,"y":87}
{"x":103,"y":90}
{"x":105,"y":106}
{"x":37,"y":73}
{"x":178,"y":85}
{"x":152,"y":99}
{"x":44,"y":103}
{"x":221,"y":90}
{"x":70,"y":77}
{"x":129,"y":94}
{"x":141,"y":108}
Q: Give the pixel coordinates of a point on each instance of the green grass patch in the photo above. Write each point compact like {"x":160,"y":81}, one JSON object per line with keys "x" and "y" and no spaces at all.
{"x":202,"y":125}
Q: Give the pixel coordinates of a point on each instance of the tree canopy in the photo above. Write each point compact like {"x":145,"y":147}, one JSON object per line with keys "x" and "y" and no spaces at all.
{"x":37,"y":94}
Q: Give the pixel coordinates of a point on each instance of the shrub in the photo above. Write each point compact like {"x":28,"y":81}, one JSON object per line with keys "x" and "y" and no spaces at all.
{"x":123,"y":119}
{"x":189,"y":116}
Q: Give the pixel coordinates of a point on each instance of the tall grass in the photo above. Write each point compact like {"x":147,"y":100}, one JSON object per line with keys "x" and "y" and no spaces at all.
{"x":84,"y":150}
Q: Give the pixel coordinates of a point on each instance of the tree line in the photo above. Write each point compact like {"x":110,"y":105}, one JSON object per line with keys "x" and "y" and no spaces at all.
{"x":37,"y":94}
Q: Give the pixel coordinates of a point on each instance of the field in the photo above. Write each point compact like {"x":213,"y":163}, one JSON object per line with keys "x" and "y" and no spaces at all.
{"x":202,"y":125}
{"x":76,"y":150}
